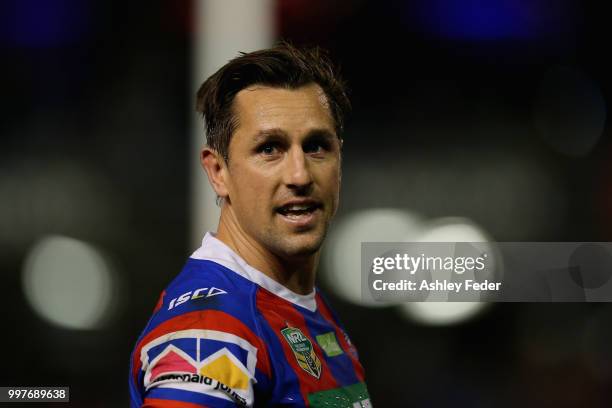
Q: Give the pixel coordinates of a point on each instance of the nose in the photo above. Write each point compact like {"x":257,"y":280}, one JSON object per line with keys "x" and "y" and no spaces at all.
{"x":297,"y":175}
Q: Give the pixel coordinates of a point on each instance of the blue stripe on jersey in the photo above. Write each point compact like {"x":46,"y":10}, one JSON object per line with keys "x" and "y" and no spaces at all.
{"x":135,"y":396}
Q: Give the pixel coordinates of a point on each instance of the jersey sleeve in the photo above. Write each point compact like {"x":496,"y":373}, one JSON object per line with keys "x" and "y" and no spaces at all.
{"x":200,"y":356}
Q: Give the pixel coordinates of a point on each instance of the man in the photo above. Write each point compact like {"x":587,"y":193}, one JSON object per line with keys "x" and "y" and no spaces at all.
{"x":242,"y":324}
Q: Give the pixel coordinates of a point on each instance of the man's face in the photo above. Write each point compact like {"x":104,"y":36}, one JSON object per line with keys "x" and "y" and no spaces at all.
{"x":283,"y":174}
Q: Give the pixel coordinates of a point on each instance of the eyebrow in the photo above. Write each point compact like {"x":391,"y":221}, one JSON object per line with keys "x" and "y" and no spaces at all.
{"x":269,"y":133}
{"x":280,"y":133}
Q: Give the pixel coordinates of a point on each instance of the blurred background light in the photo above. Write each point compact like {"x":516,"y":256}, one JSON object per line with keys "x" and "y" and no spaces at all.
{"x":69,"y":283}
{"x":441,"y":313}
{"x":569,"y":111}
{"x":341,"y":271}
{"x":491,"y":20}
{"x":451,"y":229}
{"x":43,"y":23}
{"x":460,"y":230}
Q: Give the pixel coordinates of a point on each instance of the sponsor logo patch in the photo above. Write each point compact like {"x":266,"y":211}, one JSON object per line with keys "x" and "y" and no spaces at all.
{"x":329,"y":344}
{"x":303,"y":351}
{"x":203,"y":361}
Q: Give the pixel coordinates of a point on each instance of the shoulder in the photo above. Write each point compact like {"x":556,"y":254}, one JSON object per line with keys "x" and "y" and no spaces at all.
{"x":203,"y":344}
{"x":207,"y":295}
{"x":206,"y":285}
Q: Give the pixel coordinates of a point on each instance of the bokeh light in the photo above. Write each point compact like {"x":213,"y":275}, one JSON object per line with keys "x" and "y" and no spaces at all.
{"x":450,"y":229}
{"x":44,"y":23}
{"x":69,"y":283}
{"x":441,"y":313}
{"x":492,"y":20}
{"x":342,"y":254}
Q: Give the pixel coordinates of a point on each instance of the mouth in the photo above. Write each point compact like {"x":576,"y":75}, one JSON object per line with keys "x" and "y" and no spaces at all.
{"x":299,"y":213}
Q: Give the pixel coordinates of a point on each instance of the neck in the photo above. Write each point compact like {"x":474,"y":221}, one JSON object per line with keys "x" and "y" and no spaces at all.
{"x":297,"y":274}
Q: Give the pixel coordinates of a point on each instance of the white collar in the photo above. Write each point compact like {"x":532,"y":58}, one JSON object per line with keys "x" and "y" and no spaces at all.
{"x":214,"y":250}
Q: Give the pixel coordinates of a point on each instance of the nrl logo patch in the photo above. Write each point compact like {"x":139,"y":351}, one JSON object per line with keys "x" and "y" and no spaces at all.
{"x":303,"y":351}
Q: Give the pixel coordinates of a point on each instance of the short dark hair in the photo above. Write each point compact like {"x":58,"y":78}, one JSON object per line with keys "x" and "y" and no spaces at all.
{"x":281,"y":66}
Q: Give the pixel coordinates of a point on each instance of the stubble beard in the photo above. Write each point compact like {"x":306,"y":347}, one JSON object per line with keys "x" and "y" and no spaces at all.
{"x":295,"y":246}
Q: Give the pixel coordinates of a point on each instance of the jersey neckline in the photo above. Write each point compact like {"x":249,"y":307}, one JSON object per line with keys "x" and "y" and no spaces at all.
{"x":214,"y":250}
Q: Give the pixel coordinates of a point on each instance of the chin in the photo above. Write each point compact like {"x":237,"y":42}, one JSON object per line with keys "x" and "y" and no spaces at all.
{"x":303,"y":245}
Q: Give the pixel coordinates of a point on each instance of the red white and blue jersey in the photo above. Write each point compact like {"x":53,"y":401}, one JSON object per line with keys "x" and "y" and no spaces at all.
{"x":224,"y":334}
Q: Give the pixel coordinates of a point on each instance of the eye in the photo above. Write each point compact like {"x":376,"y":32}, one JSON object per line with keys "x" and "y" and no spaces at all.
{"x":316,"y":146}
{"x":268,"y":149}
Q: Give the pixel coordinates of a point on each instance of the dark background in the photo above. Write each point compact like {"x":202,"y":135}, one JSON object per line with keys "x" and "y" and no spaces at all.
{"x":492,"y":111}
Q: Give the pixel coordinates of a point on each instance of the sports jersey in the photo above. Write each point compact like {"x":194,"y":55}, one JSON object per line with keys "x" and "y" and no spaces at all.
{"x":224,"y":334}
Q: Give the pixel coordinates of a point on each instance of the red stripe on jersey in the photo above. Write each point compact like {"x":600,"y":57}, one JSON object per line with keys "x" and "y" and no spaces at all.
{"x":160,"y":302}
{"x":326,"y":313}
{"x":206,"y":320}
{"x":162,"y":403}
{"x":279,"y":313}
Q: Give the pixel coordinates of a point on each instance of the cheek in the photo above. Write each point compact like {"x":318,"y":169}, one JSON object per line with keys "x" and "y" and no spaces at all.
{"x":250,"y":188}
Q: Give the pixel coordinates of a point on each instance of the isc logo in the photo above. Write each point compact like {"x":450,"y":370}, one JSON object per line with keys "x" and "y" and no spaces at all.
{"x":196,"y":294}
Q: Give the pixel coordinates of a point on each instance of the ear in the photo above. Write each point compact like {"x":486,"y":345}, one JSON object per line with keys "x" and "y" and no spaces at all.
{"x":216,"y":169}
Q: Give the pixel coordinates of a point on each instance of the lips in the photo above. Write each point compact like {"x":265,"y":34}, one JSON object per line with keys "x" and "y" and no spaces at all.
{"x":297,"y":209}
{"x":301,"y":212}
